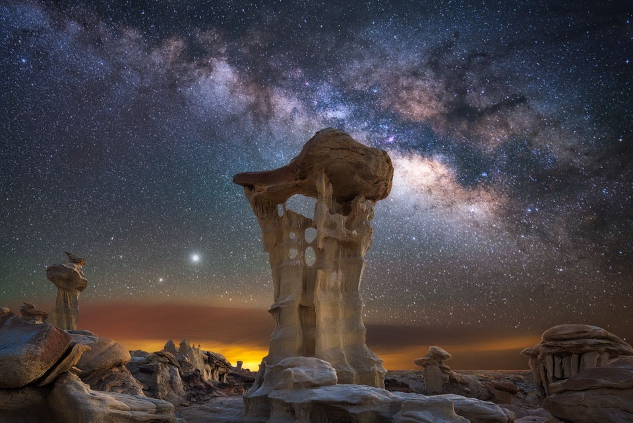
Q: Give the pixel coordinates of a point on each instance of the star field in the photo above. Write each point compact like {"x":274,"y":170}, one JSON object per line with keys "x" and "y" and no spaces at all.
{"x":509,"y":125}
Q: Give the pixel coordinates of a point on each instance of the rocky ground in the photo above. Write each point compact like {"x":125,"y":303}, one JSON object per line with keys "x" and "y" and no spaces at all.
{"x":525,"y":401}
{"x":223,"y":406}
{"x":51,"y":375}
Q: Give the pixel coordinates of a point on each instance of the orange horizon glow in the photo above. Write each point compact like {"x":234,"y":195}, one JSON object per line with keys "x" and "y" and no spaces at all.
{"x":244,"y":335}
{"x":250,"y":355}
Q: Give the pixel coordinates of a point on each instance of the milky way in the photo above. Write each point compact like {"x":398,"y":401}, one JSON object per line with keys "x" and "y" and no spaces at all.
{"x":509,"y":125}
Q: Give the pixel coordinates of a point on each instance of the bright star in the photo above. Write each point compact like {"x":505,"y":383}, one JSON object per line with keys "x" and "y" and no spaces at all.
{"x":195,"y":258}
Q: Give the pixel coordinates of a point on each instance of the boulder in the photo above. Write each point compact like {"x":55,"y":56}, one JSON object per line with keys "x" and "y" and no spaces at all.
{"x":28,"y":350}
{"x":502,"y":391}
{"x":71,"y":357}
{"x":305,"y":372}
{"x":357,"y":403}
{"x":104,"y":353}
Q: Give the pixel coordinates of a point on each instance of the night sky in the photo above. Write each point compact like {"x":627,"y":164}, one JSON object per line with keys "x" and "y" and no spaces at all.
{"x":509,"y":123}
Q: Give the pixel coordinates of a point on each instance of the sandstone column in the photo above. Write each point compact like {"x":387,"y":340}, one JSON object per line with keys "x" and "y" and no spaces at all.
{"x":317,"y":306}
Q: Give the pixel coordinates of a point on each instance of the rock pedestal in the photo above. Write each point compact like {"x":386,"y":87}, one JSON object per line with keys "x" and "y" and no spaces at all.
{"x":317,"y":305}
{"x":70,"y":281}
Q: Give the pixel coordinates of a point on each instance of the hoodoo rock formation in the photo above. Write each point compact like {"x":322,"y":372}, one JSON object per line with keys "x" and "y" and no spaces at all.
{"x":585,"y":372}
{"x":317,"y":306}
{"x":566,"y":350}
{"x":436,"y":373}
{"x":70,"y":281}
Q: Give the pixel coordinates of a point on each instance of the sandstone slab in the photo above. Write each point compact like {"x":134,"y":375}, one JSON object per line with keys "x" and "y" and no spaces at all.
{"x":73,"y":401}
{"x":28,"y":350}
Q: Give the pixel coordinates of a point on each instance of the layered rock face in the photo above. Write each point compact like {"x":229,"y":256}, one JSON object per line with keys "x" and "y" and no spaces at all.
{"x":103,"y":365}
{"x":317,"y":306}
{"x":70,"y":281}
{"x":159,"y":375}
{"x":566,"y":350}
{"x":600,"y":394}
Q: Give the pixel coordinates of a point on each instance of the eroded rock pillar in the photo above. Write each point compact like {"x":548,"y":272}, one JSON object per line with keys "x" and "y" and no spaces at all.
{"x":70,"y":281}
{"x":317,"y":305}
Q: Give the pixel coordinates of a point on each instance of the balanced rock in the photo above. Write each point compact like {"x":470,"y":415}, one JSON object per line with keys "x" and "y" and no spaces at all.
{"x":70,"y":281}
{"x":317,"y":304}
{"x":566,"y":350}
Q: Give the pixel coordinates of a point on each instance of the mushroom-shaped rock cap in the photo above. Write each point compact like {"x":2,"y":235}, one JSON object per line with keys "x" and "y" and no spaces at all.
{"x":66,"y":278}
{"x":351,"y":167}
{"x":438,"y":352}
{"x":577,"y":331}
